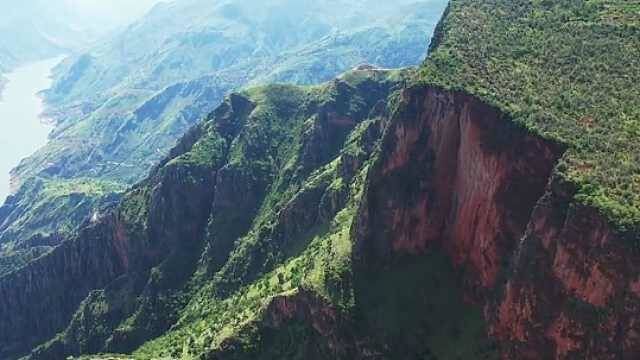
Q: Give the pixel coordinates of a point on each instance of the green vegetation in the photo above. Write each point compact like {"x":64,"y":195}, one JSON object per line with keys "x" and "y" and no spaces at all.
{"x":54,"y":206}
{"x":323,"y":262}
{"x":568,"y":70}
{"x":118,"y":116}
{"x":298,"y":163}
{"x":208,"y":151}
{"x":10,"y":260}
{"x":417,"y":306}
{"x":283,"y":170}
{"x":45,"y":210}
{"x":273,"y":260}
{"x":86,"y":186}
{"x":101,"y":357}
{"x":207,"y":322}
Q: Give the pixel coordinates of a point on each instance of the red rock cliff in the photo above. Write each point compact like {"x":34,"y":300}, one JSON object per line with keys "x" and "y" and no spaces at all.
{"x":456,"y":174}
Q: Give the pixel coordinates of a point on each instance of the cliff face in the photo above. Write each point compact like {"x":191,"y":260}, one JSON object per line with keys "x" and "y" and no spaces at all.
{"x":467,"y":181}
{"x":554,"y":279}
{"x":347,"y":221}
{"x":41,"y":297}
{"x":573,"y":289}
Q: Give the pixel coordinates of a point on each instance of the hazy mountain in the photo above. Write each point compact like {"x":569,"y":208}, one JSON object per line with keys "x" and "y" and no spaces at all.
{"x":36,"y":29}
{"x":6,"y":61}
{"x":101,"y":16}
{"x":165,"y":48}
{"x":121,"y":105}
{"x":32,"y":30}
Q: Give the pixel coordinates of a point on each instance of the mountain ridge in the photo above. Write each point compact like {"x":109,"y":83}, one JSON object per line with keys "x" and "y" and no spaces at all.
{"x":110,"y":140}
{"x":384,"y":214}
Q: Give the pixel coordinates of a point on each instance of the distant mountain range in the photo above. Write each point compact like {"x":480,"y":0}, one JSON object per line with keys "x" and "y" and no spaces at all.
{"x":121,"y":105}
{"x":33,"y":30}
{"x":37,"y":29}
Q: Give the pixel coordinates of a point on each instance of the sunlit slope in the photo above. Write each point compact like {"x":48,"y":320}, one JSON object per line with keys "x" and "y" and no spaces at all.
{"x":568,"y":70}
{"x":121,"y":105}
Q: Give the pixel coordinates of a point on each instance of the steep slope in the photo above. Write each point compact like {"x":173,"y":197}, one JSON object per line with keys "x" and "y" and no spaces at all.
{"x":569,"y":290}
{"x":374,"y":217}
{"x":121,"y":106}
{"x":229,"y":208}
{"x":568,"y":71}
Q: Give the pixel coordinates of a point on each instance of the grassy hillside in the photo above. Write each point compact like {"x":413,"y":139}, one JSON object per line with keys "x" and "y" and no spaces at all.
{"x":569,"y":70}
{"x":123,"y":104}
{"x":290,"y":167}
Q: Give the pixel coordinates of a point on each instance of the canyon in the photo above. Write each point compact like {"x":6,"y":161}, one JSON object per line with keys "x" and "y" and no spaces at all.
{"x":466,"y":193}
{"x":468,"y":208}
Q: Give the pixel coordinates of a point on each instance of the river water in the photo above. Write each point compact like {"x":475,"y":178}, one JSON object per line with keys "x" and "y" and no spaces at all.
{"x":22,"y":130}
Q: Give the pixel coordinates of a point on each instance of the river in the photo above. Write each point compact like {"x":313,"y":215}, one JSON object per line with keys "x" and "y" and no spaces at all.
{"x":22,"y":130}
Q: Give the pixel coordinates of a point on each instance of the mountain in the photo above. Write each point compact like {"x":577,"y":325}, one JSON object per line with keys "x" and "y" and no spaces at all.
{"x":6,"y":62}
{"x":263,"y":158}
{"x":101,"y":17}
{"x":33,"y":30}
{"x":564,"y":72}
{"x":255,"y":36}
{"x":458,"y":210}
{"x":122,"y":105}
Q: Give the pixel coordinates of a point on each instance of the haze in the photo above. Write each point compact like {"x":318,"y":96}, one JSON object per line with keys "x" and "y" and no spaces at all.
{"x":112,"y":12}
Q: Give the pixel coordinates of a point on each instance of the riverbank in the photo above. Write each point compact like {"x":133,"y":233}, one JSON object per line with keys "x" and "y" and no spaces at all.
{"x":23,"y":130}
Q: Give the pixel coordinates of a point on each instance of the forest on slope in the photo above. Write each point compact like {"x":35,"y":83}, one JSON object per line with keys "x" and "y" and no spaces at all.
{"x":547,"y":64}
{"x":120,"y":106}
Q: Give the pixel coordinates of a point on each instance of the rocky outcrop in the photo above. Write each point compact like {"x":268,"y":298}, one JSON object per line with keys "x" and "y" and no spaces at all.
{"x":465,"y":179}
{"x":554,"y":278}
{"x":573,"y":289}
{"x":39,"y":299}
{"x":300,"y":324}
